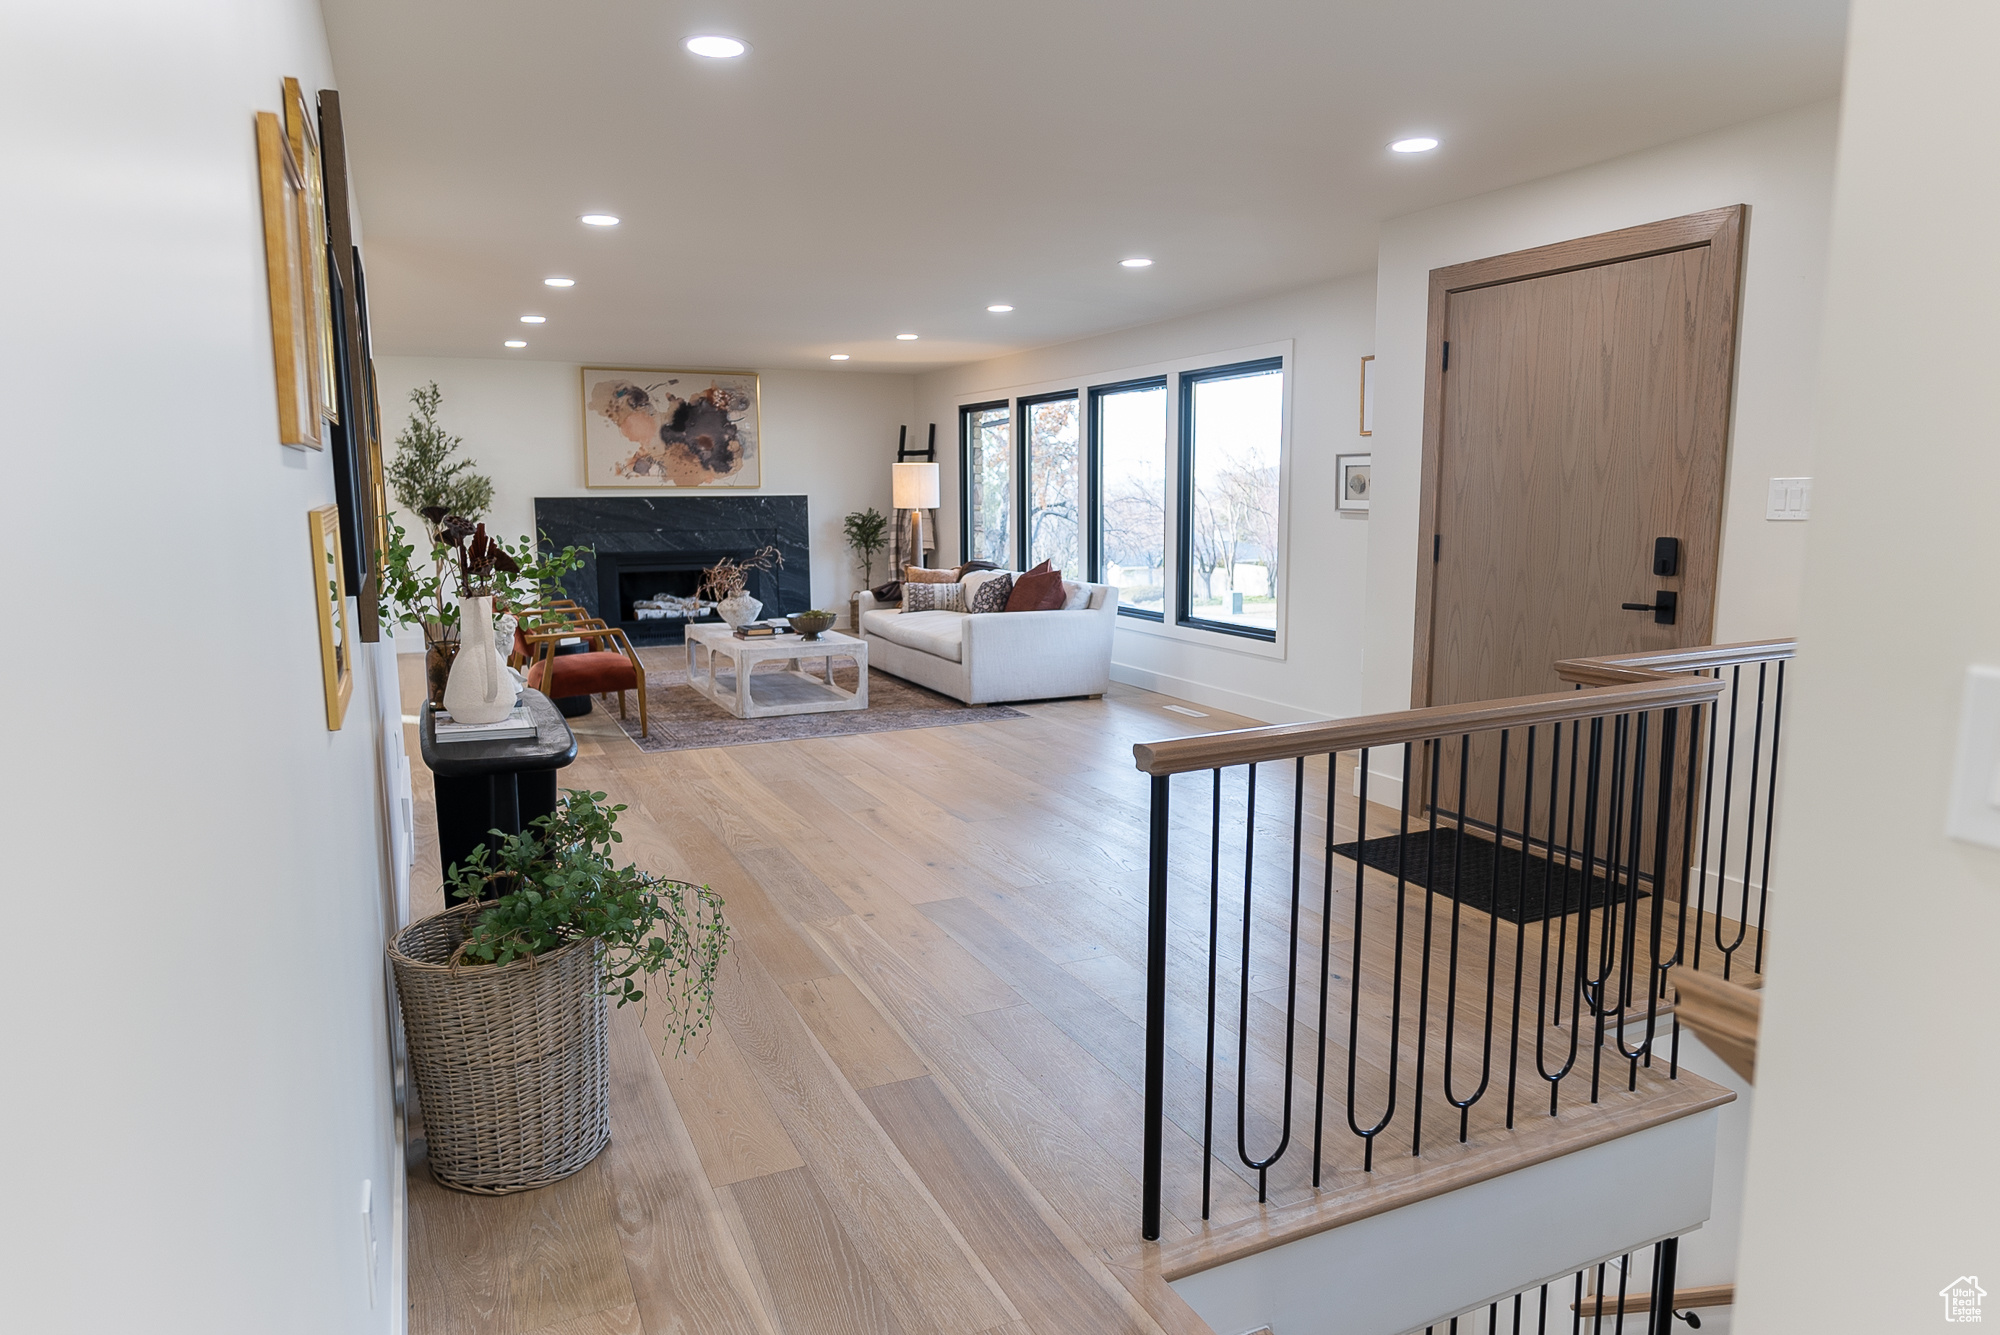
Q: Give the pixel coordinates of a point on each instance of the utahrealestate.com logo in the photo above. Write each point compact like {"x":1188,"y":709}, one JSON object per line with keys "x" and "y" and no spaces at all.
{"x":1961,"y":1298}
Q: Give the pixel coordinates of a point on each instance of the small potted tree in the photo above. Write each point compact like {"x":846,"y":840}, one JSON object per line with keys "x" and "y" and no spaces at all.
{"x":867,"y":533}
{"x":504,"y":997}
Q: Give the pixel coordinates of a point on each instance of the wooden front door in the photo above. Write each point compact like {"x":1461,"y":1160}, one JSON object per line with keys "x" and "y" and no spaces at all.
{"x":1577,"y":411}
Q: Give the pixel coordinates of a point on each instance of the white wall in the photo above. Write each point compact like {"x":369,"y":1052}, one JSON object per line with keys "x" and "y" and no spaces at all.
{"x":1872,"y":1176}
{"x":1329,"y":328}
{"x":827,"y":435}
{"x":195,"y":1050}
{"x":1782,"y":167}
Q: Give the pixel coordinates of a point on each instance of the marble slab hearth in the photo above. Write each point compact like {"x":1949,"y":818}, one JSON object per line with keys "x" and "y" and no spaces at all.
{"x":705,"y":526}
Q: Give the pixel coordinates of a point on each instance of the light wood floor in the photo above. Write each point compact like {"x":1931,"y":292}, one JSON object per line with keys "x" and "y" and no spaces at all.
{"x":920,"y":1109}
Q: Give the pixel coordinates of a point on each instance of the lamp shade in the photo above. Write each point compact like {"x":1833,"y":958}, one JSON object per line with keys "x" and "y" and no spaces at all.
{"x":915,"y":486}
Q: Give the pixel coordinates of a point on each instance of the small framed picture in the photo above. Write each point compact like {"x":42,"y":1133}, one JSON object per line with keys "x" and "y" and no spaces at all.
{"x":1368,"y":395}
{"x":1353,"y":473}
{"x":330,"y":595}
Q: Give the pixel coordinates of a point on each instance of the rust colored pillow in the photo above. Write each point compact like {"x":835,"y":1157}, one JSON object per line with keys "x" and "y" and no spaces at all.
{"x":1040,"y":590}
{"x":919,"y":575}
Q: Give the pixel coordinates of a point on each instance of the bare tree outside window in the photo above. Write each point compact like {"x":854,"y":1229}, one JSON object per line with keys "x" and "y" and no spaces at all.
{"x":990,"y":477}
{"x":1055,"y":472}
{"x":1236,"y":424}
{"x":1132,"y":442}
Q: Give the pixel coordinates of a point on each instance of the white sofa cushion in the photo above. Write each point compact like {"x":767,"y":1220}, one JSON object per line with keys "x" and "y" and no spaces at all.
{"x":938,"y":633}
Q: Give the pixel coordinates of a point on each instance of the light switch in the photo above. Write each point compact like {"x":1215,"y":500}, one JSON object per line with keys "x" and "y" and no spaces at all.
{"x":1975,"y":787}
{"x":1789,"y":498}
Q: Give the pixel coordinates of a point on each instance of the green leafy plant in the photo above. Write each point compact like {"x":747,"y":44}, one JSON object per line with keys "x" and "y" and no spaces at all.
{"x":867,"y":533}
{"x":559,"y":885}
{"x":425,"y":477}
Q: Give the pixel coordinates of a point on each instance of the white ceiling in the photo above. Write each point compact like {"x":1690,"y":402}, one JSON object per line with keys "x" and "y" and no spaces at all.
{"x":897,"y":165}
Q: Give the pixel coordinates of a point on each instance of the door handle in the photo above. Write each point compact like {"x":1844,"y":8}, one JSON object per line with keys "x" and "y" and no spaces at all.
{"x":1665,"y":603}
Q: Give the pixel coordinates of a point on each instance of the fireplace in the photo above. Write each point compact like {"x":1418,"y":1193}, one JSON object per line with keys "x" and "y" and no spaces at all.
{"x":649,"y":549}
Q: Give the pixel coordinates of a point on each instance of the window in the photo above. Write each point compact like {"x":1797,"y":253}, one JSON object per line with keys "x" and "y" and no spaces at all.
{"x":1232,"y":420}
{"x":988,"y":496}
{"x":1052,"y":464}
{"x":1129,"y":441}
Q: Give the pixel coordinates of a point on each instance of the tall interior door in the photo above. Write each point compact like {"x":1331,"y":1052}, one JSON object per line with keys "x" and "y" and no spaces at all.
{"x":1578,"y":414}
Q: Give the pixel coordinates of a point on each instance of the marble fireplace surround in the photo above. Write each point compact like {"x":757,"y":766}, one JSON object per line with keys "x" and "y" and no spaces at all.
{"x":654,"y":530}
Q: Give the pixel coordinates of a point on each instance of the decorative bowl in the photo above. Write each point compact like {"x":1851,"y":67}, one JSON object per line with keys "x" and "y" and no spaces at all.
{"x":810,"y":624}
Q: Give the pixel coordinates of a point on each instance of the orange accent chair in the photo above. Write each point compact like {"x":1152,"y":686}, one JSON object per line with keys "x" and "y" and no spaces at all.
{"x":598,"y":671}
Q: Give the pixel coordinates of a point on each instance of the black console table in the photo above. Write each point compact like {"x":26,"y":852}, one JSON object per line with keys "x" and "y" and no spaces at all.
{"x":503,"y":785}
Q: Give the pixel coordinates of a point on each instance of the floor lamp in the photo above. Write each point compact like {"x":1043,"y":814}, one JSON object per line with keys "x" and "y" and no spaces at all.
{"x":915,"y":488}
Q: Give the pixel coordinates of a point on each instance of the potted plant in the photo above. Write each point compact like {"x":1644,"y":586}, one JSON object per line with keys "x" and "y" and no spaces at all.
{"x":726,"y":584}
{"x":867,"y":533}
{"x":503,"y":997}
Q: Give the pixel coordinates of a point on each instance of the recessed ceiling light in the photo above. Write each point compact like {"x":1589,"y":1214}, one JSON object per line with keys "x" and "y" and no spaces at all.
{"x":905,"y":338}
{"x":559,"y":282}
{"x":838,"y":357}
{"x":1136,"y":263}
{"x":1421,"y":144}
{"x":1001,"y":309}
{"x":600,"y":219}
{"x":516,"y":343}
{"x":715,"y":48}
{"x":534,"y":319}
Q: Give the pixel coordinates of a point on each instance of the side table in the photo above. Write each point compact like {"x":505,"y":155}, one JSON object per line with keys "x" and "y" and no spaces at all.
{"x":503,"y":785}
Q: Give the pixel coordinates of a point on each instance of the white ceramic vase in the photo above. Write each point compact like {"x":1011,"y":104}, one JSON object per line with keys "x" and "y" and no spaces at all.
{"x":739,"y":608}
{"x":480,"y":690}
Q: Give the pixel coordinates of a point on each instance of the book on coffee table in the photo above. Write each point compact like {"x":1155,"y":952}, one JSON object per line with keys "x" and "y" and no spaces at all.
{"x":520,"y":723}
{"x":757,"y":630}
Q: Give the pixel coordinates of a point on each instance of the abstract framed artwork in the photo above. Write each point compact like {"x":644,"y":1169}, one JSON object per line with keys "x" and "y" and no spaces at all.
{"x":336,"y":656}
{"x":303,"y":137}
{"x":282,"y":186}
{"x":1368,"y":395}
{"x":670,"y":429}
{"x":1353,"y":473}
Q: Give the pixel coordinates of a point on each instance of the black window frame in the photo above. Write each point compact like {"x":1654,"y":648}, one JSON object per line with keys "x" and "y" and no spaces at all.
{"x":965,"y":414}
{"x":1094,"y":462}
{"x":1021,"y":479}
{"x":1184,"y":507}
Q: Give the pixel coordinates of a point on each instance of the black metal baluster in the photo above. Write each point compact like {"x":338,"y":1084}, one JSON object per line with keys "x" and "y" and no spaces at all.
{"x":1722,"y":845}
{"x":1262,"y":1166}
{"x":1326,"y":929}
{"x":1156,"y":1012}
{"x":1464,"y":1105}
{"x":1396,"y":977}
{"x":1629,"y":939}
{"x":1750,"y":825}
{"x":1436,"y":747}
{"x":1770,"y":814}
{"x":1593,"y":773}
{"x":1708,"y":830}
{"x":1521,"y":917}
{"x":1214,"y":951}
{"x":1555,"y":1078}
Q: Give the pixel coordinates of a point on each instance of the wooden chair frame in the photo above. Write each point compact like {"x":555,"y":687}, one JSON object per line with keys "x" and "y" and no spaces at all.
{"x":542,"y":648}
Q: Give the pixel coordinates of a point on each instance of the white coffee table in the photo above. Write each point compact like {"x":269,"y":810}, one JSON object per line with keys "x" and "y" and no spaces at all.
{"x":724,"y":669}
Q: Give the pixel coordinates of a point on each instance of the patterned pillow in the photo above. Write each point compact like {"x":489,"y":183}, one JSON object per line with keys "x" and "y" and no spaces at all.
{"x":933,"y":598}
{"x":989,"y":591}
{"x":921,"y":575}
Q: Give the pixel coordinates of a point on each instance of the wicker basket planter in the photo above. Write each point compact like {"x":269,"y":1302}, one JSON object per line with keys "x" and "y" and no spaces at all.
{"x":511,"y":1061}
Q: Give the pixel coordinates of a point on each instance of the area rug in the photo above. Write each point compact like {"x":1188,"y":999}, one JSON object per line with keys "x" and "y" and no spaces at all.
{"x":1491,"y":879}
{"x":683,"y":719}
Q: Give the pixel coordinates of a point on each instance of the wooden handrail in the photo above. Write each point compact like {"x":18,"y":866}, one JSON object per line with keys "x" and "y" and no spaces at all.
{"x":1638,"y":1304}
{"x":1618,"y":669}
{"x":1286,"y":741}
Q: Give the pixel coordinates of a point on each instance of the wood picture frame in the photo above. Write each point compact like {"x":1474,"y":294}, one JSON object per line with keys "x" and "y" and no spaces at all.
{"x":303,"y":137}
{"x":671,"y":430}
{"x":1353,"y":481}
{"x":336,"y":656}
{"x":282,"y":187}
{"x":1368,"y":395}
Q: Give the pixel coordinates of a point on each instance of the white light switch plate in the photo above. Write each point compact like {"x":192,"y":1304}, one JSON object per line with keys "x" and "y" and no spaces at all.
{"x":1790,"y":498}
{"x":1975,"y":786}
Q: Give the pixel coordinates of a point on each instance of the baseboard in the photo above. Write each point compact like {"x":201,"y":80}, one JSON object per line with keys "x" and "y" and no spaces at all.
{"x":1201,"y":693}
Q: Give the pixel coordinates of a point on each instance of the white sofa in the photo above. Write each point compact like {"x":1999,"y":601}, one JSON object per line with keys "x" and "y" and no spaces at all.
{"x":989,"y":657}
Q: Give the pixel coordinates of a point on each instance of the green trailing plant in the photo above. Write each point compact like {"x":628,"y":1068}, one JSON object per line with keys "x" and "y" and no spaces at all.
{"x":425,"y":477}
{"x":559,"y":885}
{"x":867,"y":533}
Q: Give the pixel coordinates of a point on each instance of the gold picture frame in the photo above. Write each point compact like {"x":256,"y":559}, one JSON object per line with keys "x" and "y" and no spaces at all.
{"x":282,"y":186}
{"x":336,"y":657}
{"x":304,"y":140}
{"x":671,"y":430}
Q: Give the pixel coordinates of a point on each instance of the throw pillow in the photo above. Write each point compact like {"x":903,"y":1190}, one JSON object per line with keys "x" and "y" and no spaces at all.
{"x":1040,"y":590}
{"x":933,"y":597}
{"x":919,"y":575}
{"x":1075,"y":596}
{"x":892,"y":592}
{"x":974,"y":564}
{"x":987,"y":590}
